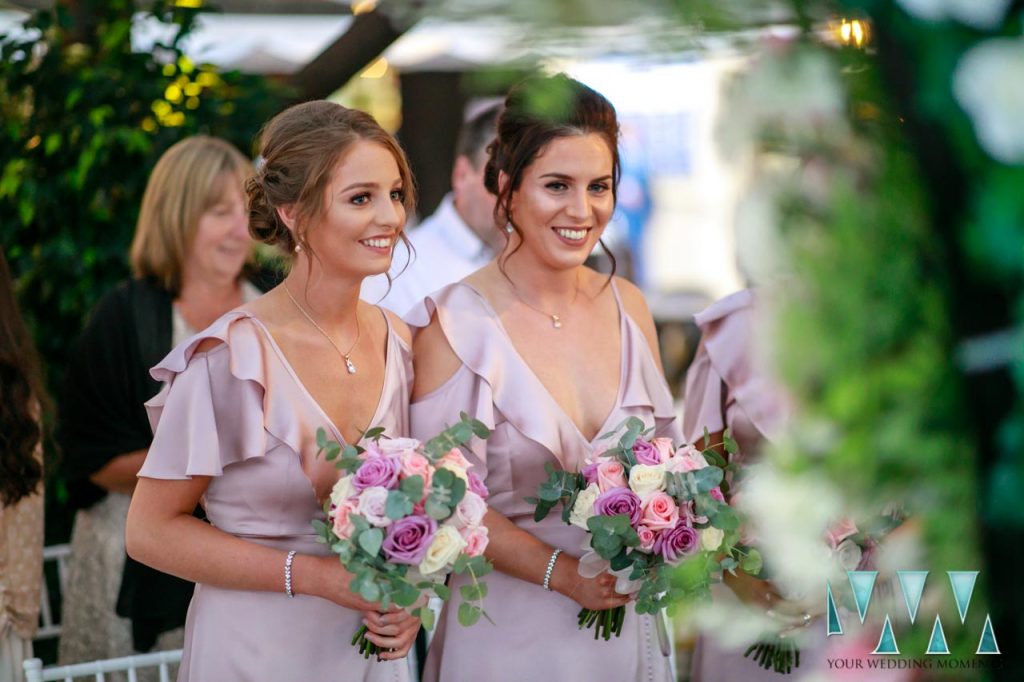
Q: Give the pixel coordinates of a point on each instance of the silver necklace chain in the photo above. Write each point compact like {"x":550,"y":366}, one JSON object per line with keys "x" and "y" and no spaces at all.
{"x":349,"y":365}
{"x":556,"y":320}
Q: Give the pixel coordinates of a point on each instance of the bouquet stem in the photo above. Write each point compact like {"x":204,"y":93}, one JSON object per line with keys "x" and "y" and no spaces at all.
{"x":365,"y":646}
{"x":605,"y":623}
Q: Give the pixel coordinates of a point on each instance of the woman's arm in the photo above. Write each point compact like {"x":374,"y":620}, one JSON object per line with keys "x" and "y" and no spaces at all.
{"x":161,"y":532}
{"x":120,"y":474}
{"x":519,"y":554}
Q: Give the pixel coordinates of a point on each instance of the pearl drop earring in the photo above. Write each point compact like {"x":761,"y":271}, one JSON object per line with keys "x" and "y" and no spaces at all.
{"x":298,"y":247}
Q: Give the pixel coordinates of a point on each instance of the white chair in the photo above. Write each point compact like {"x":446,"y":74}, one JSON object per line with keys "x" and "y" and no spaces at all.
{"x":35,"y":672}
{"x":60,"y":554}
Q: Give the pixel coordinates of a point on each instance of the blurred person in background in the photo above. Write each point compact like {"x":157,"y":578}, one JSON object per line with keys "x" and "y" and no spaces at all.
{"x":189,"y":261}
{"x":461,"y":236}
{"x":22,"y":398}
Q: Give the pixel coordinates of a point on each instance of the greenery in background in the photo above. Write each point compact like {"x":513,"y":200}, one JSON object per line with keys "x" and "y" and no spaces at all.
{"x":82,"y":125}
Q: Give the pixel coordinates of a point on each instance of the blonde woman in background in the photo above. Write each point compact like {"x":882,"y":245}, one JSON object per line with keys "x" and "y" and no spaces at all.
{"x":189,"y":261}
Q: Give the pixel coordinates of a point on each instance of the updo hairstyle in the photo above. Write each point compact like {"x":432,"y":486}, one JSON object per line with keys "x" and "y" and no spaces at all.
{"x":299,"y":148}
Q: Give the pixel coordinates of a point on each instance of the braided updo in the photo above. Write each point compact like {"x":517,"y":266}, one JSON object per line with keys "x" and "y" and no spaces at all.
{"x":299,"y":148}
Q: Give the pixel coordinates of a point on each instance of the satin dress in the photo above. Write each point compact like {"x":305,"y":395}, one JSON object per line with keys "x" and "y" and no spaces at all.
{"x":535,"y":635}
{"x":239,"y":413}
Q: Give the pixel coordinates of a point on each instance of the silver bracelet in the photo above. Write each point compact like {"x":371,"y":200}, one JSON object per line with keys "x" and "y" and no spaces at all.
{"x":288,"y":573}
{"x":551,"y":567}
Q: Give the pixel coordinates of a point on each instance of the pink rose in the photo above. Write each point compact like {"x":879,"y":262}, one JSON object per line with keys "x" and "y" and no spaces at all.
{"x":647,"y":538}
{"x":342,"y":526}
{"x":470,"y":510}
{"x":664,"y":447}
{"x":686,"y":459}
{"x":476,"y":540}
{"x":611,"y":474}
{"x":415,"y":464}
{"x":840,"y":531}
{"x":455,"y":458}
{"x":659,"y":511}
{"x":716,"y":493}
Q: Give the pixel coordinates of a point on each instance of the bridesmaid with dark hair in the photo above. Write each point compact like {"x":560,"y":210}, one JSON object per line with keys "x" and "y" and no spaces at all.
{"x":22,"y":396}
{"x":549,"y":354}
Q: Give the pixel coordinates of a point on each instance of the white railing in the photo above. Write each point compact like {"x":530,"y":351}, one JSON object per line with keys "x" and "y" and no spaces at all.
{"x":35,"y":672}
{"x":61,"y":554}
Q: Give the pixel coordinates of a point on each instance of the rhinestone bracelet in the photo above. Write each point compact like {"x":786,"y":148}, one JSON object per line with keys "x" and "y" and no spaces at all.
{"x":288,"y":573}
{"x":551,"y":567}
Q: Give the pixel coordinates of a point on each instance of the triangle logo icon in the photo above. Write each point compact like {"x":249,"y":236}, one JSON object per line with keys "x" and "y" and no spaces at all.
{"x":887,"y":641}
{"x":988,"y":644}
{"x":834,"y":626}
{"x":912,"y":585}
{"x":963,"y":588}
{"x":863,"y":585}
{"x":937,"y":642}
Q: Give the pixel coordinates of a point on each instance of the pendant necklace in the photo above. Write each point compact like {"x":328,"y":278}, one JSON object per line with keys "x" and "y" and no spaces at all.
{"x":349,"y":365}
{"x":556,"y":320}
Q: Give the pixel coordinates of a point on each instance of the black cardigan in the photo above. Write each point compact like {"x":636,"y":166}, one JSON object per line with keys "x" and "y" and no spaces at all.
{"x":102,"y":415}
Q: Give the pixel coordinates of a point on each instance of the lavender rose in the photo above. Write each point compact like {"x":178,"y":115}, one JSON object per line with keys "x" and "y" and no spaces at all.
{"x":408,"y":539}
{"x":676,"y":543}
{"x":476,"y":484}
{"x":589,"y":472}
{"x":378,"y":471}
{"x":646,"y":453}
{"x":619,"y":501}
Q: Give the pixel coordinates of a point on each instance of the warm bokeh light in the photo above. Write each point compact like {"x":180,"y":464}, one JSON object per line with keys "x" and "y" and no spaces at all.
{"x":853,"y":32}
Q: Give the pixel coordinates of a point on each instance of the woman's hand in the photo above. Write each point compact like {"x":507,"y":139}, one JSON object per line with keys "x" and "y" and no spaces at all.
{"x":596,"y":594}
{"x":325,"y":577}
{"x":393,"y":631}
{"x":752,"y":591}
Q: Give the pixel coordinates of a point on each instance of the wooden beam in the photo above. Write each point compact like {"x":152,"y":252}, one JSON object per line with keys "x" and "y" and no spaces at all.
{"x":366,"y":38}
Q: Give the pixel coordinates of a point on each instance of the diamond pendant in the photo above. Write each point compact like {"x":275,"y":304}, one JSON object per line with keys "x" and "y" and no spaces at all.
{"x":556,"y":322}
{"x":349,"y":366}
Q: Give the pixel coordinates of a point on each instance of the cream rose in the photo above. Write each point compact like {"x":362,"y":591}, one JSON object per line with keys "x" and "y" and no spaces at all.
{"x":583,"y":509}
{"x":373,"y":506}
{"x":849,"y":555}
{"x":646,"y":478}
{"x":711,"y":538}
{"x":341,"y":491}
{"x":443,"y":550}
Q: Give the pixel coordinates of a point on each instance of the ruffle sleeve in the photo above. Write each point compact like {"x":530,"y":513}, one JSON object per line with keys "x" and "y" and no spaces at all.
{"x":215,"y":408}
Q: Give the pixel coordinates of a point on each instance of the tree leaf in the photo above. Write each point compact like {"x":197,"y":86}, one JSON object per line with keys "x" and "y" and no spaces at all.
{"x":468,"y":614}
{"x":398,"y":505}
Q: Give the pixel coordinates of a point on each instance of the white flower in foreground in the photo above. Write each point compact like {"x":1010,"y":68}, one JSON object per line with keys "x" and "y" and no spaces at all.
{"x":989,"y":84}
{"x":976,"y":13}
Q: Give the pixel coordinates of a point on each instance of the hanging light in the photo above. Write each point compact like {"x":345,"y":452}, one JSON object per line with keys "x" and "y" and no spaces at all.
{"x":853,"y":32}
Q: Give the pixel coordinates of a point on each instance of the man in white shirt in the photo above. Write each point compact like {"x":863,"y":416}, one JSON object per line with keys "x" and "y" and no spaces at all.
{"x":460,"y":237}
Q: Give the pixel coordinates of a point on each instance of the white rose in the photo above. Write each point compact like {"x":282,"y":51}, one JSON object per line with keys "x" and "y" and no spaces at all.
{"x":443,"y":550}
{"x":849,"y":555}
{"x":396,"y":446}
{"x":583,"y":509}
{"x":995,"y":112}
{"x":470,"y":510}
{"x":372,"y":506}
{"x":976,"y":13}
{"x":341,"y":491}
{"x":646,"y":478}
{"x":711,"y":538}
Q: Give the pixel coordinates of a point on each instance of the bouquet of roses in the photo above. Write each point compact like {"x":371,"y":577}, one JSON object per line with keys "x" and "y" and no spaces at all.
{"x":648,"y":506}
{"x":404,"y":516}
